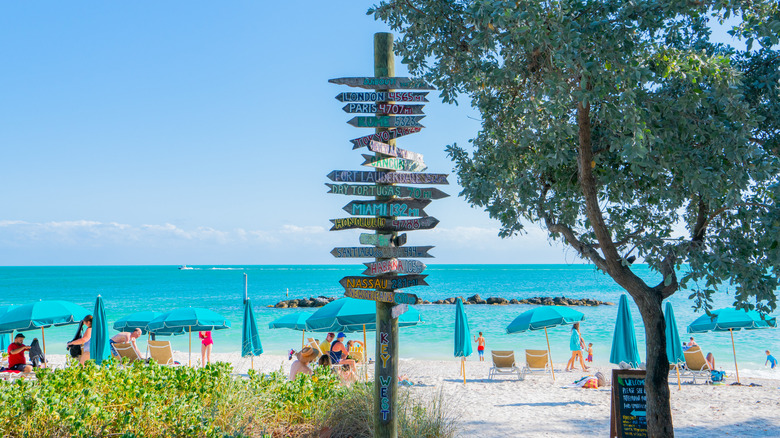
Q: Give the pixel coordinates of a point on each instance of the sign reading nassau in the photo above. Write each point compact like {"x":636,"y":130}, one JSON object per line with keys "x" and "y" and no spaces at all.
{"x":398,"y":282}
{"x":367,"y":176}
{"x":394,"y":266}
{"x":397,"y":191}
{"x":384,"y":224}
{"x":364,"y":141}
{"x":386,"y":121}
{"x":394,"y":163}
{"x":379,"y":252}
{"x":383,"y":108}
{"x":384,"y":148}
{"x":383,"y":83}
{"x":398,"y":207}
{"x":380,"y":295}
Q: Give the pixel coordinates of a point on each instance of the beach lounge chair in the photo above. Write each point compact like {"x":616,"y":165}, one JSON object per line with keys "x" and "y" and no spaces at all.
{"x":696,"y":365}
{"x":127,"y":351}
{"x":161,"y":352}
{"x":503,"y":363}
{"x":537,"y":361}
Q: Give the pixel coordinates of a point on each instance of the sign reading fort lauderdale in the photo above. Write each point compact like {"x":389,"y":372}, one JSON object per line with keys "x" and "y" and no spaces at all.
{"x":365,"y":176}
{"x":371,"y":83}
{"x":397,"y":191}
{"x":364,"y":141}
{"x":398,"y":282}
{"x":384,"y":224}
{"x":382,"y":96}
{"x":381,"y":252}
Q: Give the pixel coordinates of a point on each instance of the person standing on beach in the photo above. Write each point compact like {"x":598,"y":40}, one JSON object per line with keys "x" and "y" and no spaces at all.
{"x":205,"y":348}
{"x":770,"y":360}
{"x":84,"y":340}
{"x":480,"y":346}
{"x":590,"y":353}
{"x":576,"y":344}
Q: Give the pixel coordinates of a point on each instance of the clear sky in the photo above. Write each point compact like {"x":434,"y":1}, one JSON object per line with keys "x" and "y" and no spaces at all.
{"x":201,"y":132}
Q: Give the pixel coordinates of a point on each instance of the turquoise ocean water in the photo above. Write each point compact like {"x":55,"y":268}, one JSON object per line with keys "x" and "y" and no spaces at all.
{"x":128,"y":289}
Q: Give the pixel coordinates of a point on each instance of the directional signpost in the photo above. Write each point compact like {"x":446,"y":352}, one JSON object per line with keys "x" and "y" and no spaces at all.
{"x":393,"y":117}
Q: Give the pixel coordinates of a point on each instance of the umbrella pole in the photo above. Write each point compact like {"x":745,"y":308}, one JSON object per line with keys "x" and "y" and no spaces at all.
{"x":549,"y":356}
{"x":189,"y":329}
{"x":148,"y":336}
{"x":735,"y":353}
{"x":43,"y":339}
{"x":303,"y":335}
{"x":463,"y":368}
{"x":679,"y":385}
{"x":365,"y":347}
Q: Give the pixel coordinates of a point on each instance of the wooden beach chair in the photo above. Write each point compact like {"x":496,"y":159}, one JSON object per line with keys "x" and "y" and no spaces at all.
{"x":537,"y":361}
{"x":696,"y":365}
{"x":504,"y":363}
{"x":127,"y":351}
{"x":162,"y":352}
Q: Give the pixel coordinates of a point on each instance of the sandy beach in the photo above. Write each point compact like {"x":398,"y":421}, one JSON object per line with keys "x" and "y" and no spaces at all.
{"x":537,"y":407}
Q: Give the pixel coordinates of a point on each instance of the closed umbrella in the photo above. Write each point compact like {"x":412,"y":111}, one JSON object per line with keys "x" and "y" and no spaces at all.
{"x":250,"y":338}
{"x":462,"y":336}
{"x":5,"y":338}
{"x":674,"y":349}
{"x":624,"y":348}
{"x":187,"y":320}
{"x":295,"y":321}
{"x":98,"y":342}
{"x":41,"y":314}
{"x":731,"y":320}
{"x":542,"y":318}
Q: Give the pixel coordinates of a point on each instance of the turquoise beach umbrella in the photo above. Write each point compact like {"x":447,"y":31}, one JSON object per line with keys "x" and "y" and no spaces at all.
{"x":187,"y":320}
{"x":351,"y":314}
{"x":250,"y":338}
{"x":137,"y":320}
{"x":624,"y":348}
{"x":462,"y":336}
{"x":543,"y":317}
{"x":41,"y":314}
{"x":98,"y":342}
{"x":295,"y":321}
{"x":731,"y":320}
{"x":674,"y":349}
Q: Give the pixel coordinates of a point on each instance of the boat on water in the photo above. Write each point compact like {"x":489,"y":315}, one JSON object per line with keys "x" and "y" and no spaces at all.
{"x":184,"y":267}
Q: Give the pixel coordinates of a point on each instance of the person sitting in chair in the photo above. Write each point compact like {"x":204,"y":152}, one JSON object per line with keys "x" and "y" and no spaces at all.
{"x":16,"y":360}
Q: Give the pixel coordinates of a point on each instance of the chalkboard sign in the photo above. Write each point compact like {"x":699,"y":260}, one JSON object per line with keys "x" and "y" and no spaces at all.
{"x":629,"y":404}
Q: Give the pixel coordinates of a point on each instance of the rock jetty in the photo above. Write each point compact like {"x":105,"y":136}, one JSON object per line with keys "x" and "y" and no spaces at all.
{"x":474,"y":299}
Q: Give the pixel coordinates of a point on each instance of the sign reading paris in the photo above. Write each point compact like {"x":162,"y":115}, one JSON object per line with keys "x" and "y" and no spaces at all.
{"x":370,"y":83}
{"x":383,"y":108}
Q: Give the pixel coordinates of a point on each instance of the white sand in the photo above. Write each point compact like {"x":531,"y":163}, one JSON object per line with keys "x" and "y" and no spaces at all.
{"x":537,"y":407}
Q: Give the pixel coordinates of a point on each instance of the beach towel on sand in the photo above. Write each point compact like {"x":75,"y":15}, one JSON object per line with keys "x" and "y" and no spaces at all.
{"x":585,"y":382}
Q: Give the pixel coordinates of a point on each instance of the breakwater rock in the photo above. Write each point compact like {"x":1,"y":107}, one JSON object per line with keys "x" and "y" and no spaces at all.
{"x":474,"y":299}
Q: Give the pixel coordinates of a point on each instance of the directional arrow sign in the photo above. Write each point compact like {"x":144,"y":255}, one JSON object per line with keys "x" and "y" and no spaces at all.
{"x":379,"y":252}
{"x":361,"y":142}
{"x":364,"y":176}
{"x":386,"y":121}
{"x":394,"y":163}
{"x":396,"y":207}
{"x":380,"y":295}
{"x":386,"y":83}
{"x":397,"y":191}
{"x":639,"y":413}
{"x":383,"y":224}
{"x":383,"y":108}
{"x":382,"y":239}
{"x":397,"y":282}
{"x":384,"y":148}
{"x":394,"y":266}
{"x":382,"y":96}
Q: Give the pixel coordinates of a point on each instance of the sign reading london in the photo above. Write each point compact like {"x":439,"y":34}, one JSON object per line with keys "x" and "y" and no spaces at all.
{"x":382,"y":96}
{"x":381,"y":252}
{"x":397,"y":191}
{"x":384,"y":224}
{"x":371,"y":83}
{"x":365,"y":176}
{"x":392,"y":134}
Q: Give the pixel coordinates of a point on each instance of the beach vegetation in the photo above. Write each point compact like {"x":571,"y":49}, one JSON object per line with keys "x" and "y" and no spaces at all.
{"x":628,"y":131}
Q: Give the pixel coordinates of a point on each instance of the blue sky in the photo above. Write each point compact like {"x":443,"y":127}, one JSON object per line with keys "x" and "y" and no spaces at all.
{"x":200,"y":132}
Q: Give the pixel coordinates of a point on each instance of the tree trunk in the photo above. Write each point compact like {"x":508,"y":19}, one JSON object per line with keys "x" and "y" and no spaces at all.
{"x":659,"y":411}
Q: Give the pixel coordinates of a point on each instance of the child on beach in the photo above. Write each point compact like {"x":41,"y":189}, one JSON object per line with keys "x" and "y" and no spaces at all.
{"x":770,"y":360}
{"x":590,"y":352}
{"x":480,"y":346}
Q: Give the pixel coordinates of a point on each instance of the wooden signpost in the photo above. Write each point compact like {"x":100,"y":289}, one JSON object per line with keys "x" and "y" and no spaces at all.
{"x":389,"y":283}
{"x":380,"y":252}
{"x":396,"y":207}
{"x":384,"y":148}
{"x":384,"y":224}
{"x":385,"y":136}
{"x":374,"y":83}
{"x":386,"y":121}
{"x":394,"y":163}
{"x":385,"y":191}
{"x":382,"y":239}
{"x":380,"y":281}
{"x":394,"y":266}
{"x":382,"y":96}
{"x":383,"y":108}
{"x":628,"y":416}
{"x":365,"y":176}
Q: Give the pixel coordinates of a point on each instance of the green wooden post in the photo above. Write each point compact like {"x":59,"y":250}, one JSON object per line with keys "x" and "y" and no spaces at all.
{"x":386,"y":372}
